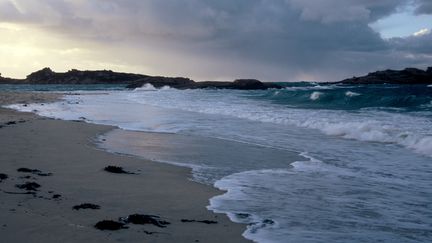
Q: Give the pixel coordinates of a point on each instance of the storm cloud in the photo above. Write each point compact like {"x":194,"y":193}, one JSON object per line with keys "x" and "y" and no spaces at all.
{"x":224,"y":39}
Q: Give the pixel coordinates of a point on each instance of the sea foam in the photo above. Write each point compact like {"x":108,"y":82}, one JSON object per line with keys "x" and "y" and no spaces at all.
{"x":316,"y":95}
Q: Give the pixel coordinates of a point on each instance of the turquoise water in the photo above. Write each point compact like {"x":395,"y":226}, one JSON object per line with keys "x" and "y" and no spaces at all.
{"x":362,"y":170}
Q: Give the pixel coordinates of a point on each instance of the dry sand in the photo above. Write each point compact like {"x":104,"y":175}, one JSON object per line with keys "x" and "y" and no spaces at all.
{"x":66,"y":149}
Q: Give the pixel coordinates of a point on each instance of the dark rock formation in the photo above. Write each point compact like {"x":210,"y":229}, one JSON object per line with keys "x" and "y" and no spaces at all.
{"x":241,"y":84}
{"x":47,"y":76}
{"x":158,"y":82}
{"x":181,"y":83}
{"x":406,"y":76}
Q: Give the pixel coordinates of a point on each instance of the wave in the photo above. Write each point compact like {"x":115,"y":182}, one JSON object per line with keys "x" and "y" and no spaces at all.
{"x":351,"y":97}
{"x":374,"y":131}
{"x":146,"y":87}
{"x":408,"y":129}
{"x":150,"y":87}
{"x":240,"y":187}
{"x":351,"y":94}
{"x":315,"y":95}
{"x":411,"y":131}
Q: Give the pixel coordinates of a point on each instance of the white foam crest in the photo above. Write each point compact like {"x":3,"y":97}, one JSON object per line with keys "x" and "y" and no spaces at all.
{"x":166,"y":87}
{"x":238,"y":187}
{"x":316,"y":87}
{"x":351,"y":94}
{"x":374,"y":131}
{"x":367,"y":125}
{"x":311,"y":164}
{"x":315,"y":95}
{"x":410,"y":131}
{"x":421,"y":145}
{"x":146,"y":87}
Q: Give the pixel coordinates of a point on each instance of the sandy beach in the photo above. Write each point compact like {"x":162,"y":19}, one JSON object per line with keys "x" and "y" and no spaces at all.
{"x":49,"y":166}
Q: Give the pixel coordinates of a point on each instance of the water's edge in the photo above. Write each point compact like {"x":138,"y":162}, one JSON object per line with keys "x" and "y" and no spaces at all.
{"x":98,"y":143}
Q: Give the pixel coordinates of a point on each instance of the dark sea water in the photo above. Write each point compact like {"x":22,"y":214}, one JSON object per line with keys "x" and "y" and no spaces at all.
{"x":308,"y":163}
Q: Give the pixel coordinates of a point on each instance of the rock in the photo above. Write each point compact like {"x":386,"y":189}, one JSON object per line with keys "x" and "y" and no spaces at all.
{"x":406,"y":76}
{"x":240,"y":84}
{"x":47,"y":76}
{"x":159,"y":82}
{"x":146,"y":219}
{"x":86,"y":206}
{"x":109,"y":225}
{"x":248,"y":84}
{"x":56,"y":196}
{"x":116,"y":170}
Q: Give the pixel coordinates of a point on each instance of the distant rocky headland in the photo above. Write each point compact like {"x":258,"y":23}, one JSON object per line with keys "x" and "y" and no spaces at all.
{"x":406,"y":76}
{"x":131,"y":80}
{"x":47,"y":76}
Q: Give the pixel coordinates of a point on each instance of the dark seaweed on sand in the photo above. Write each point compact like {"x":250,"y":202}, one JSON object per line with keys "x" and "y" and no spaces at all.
{"x":29,"y":186}
{"x":33,"y":171}
{"x":146,"y":219}
{"x":109,"y":225}
{"x":86,"y":206}
{"x":198,"y":221}
{"x":116,"y":170}
{"x":3,"y":177}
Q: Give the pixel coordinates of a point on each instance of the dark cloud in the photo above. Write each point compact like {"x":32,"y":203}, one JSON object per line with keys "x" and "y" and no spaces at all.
{"x":270,"y":39}
{"x":424,"y":7}
{"x":421,"y":44}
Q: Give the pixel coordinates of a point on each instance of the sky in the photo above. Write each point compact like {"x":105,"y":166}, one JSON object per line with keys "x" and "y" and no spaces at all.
{"x":272,"y":40}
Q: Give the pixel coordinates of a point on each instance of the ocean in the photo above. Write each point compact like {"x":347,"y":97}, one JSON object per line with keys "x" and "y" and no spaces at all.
{"x":307,"y":163}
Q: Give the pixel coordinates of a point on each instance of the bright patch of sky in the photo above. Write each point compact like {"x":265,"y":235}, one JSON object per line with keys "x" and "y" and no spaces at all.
{"x":403,"y":23}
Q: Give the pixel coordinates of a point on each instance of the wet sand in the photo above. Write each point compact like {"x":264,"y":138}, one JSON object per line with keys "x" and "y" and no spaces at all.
{"x":68,"y":170}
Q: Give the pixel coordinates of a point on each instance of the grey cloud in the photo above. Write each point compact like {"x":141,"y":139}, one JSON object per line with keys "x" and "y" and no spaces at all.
{"x":272,"y":39}
{"x":424,"y":7}
{"x":413,"y":44}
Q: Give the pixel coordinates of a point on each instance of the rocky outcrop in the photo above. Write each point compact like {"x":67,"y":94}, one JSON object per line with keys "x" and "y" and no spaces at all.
{"x":406,"y":76}
{"x":158,"y":82}
{"x":4,"y":80}
{"x":184,"y":83}
{"x":47,"y":76}
{"x":241,"y":84}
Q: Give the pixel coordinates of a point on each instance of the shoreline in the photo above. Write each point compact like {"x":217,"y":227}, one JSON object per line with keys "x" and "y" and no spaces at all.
{"x":78,"y":177}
